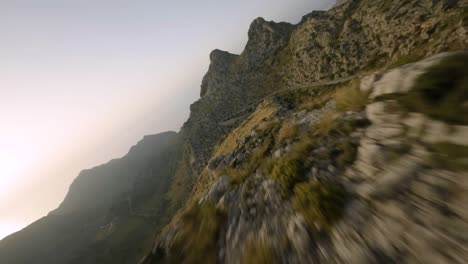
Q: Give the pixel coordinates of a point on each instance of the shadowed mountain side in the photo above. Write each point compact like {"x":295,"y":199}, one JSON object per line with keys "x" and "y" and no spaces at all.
{"x":265,"y":172}
{"x":106,"y":207}
{"x":101,"y":186}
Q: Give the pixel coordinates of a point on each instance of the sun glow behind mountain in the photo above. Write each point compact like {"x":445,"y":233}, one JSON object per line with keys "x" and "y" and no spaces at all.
{"x":16,"y":157}
{"x":7,"y":229}
{"x":80,"y":82}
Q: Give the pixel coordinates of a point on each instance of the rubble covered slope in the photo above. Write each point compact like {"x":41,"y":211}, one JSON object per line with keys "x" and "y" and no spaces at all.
{"x":357,"y":155}
{"x":370,"y":170}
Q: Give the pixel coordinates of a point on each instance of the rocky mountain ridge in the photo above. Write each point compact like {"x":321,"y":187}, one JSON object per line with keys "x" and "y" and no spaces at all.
{"x":345,"y":180}
{"x":356,"y":36}
{"x":302,"y":149}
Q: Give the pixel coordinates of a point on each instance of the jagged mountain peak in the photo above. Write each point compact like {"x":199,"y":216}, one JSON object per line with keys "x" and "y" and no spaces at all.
{"x":311,"y":146}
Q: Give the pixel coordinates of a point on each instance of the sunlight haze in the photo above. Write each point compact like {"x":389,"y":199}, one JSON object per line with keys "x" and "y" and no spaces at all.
{"x":80,"y":83}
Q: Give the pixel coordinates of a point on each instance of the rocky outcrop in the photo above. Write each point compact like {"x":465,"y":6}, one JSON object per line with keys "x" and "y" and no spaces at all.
{"x":408,"y":207}
{"x":356,"y":36}
{"x":232,"y":83}
{"x":353,"y":38}
{"x":319,"y":143}
{"x":401,"y":203}
{"x":265,"y":40}
{"x":363,"y":35}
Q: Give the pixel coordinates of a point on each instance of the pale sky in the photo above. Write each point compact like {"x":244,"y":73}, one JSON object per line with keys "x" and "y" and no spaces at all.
{"x":83,"y":81}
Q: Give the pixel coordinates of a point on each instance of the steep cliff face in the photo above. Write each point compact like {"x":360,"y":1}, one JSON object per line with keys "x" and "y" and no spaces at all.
{"x":336,"y":140}
{"x":363,"y":35}
{"x":354,"y":37}
{"x":232,"y":83}
{"x":366,"y":171}
{"x":295,"y":165}
{"x":110,"y":214}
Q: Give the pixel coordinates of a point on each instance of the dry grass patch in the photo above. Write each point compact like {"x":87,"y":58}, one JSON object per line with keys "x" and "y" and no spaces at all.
{"x":351,"y":98}
{"x":203,"y":183}
{"x":287,"y":131}
{"x":325,"y":124}
{"x":265,"y":110}
{"x":307,"y":98}
{"x":316,"y":102}
{"x":196,"y":241}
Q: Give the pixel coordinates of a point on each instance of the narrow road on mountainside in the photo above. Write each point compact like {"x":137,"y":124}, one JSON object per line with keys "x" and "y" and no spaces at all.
{"x":227,"y":121}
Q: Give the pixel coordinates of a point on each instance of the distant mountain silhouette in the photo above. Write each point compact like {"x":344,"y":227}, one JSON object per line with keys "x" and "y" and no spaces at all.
{"x":105,"y":209}
{"x":341,"y":139}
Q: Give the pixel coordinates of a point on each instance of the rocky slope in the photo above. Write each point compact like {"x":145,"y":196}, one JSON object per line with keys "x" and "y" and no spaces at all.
{"x":357,"y":36}
{"x":320,"y":143}
{"x":288,"y":177}
{"x":350,"y":173}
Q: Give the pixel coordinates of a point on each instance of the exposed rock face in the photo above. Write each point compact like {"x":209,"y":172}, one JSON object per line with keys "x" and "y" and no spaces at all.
{"x":232,"y":82}
{"x":354,"y":36}
{"x":402,"y":206}
{"x":361,"y":35}
{"x":265,"y":40}
{"x":415,"y":204}
{"x":302,"y":149}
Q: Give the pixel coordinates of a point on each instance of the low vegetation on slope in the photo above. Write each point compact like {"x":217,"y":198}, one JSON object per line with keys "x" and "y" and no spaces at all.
{"x":197,"y":240}
{"x":259,"y":252}
{"x":442,"y":91}
{"x":303,"y":157}
{"x":440,"y":94}
{"x":285,"y":167}
{"x":320,"y":203}
{"x":300,"y":147}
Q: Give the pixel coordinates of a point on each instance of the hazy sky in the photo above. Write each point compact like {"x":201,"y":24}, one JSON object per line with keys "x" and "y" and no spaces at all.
{"x":83,"y":80}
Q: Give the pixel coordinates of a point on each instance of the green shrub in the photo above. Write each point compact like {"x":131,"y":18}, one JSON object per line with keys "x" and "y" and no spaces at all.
{"x":320,"y":203}
{"x":292,"y":168}
{"x":240,"y":174}
{"x":287,"y":172}
{"x":345,"y":153}
{"x":258,"y":252}
{"x":197,"y":238}
{"x":442,"y":91}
